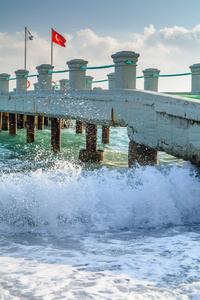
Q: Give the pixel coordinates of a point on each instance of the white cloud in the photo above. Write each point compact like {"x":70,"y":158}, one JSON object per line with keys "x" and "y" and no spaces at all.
{"x":172,"y":50}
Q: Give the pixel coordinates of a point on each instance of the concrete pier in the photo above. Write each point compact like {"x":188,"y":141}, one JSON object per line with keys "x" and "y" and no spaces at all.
{"x":40,"y":123}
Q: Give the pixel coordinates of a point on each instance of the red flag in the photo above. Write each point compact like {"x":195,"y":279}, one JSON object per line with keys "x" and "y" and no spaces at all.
{"x":58,"y":38}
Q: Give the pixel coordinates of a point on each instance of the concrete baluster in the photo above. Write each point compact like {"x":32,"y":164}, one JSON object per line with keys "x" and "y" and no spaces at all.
{"x":125,"y":69}
{"x":4,"y":88}
{"x":195,"y":69}
{"x":88,"y":82}
{"x":151,"y":82}
{"x":64,"y":84}
{"x":21,"y":86}
{"x":77,"y":81}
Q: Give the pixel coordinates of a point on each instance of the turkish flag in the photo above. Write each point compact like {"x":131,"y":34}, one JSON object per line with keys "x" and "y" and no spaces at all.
{"x":58,"y":38}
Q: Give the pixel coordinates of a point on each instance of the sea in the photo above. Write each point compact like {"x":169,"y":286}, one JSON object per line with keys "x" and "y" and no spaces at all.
{"x":70,"y":230}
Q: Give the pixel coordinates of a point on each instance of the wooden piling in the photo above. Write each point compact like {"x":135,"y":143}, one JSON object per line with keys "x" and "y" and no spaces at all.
{"x":56,"y":135}
{"x":13,"y":123}
{"x":30,"y":129}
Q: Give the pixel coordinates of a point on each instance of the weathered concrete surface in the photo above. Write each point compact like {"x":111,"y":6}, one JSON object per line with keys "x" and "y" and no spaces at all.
{"x":164,"y":122}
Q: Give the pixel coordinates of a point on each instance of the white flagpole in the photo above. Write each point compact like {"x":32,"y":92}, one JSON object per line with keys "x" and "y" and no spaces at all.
{"x":25,"y":50}
{"x":52,"y":46}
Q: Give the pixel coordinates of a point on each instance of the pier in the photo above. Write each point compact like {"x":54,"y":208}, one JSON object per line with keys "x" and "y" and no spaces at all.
{"x":155,"y":121}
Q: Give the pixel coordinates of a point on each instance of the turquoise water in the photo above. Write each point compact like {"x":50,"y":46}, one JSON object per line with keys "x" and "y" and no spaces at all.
{"x":102,"y":231}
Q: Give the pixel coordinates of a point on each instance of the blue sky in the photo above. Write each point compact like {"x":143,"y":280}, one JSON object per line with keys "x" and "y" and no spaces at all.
{"x":165,"y":33}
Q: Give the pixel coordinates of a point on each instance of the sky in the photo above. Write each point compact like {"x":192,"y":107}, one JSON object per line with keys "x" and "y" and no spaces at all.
{"x":166,"y":34}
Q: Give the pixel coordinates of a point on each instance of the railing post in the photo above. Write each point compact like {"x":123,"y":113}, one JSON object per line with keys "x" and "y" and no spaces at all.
{"x":4,"y":88}
{"x":139,"y":153}
{"x":195,"y":69}
{"x":77,"y":81}
{"x":20,"y":87}
{"x":88,"y":85}
{"x":151,"y":82}
{"x":111,"y":81}
{"x":64,"y":84}
{"x":125,"y":69}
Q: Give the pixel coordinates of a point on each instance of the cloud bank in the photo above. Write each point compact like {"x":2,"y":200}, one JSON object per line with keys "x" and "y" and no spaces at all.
{"x":171,"y":50}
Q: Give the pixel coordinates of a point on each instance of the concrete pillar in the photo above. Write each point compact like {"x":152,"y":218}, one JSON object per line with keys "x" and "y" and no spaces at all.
{"x":125,"y":69}
{"x":105,"y":134}
{"x":91,"y":154}
{"x":111,"y":81}
{"x":195,"y":69}
{"x":64,"y":84}
{"x":56,"y":135}
{"x":88,"y":83}
{"x":138,"y":153}
{"x":46,"y":121}
{"x":151,"y":82}
{"x":21,"y":80}
{"x":30,"y":128}
{"x":141,"y":154}
{"x":12,"y":123}
{"x":4,"y":88}
{"x":21,"y":86}
{"x":40,"y":123}
{"x":77,"y":81}
{"x":4,"y":83}
{"x":45,"y":78}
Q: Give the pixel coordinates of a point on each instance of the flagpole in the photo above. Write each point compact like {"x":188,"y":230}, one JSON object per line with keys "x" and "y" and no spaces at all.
{"x":52,"y":46}
{"x":25,"y":51}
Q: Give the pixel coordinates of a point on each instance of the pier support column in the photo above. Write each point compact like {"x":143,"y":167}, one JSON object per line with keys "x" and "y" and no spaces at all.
{"x":142,"y":155}
{"x":4,"y":88}
{"x":13,"y":123}
{"x":56,"y":135}
{"x":105,"y":134}
{"x":91,"y":154}
{"x":5,"y":121}
{"x":195,"y":69}
{"x":30,"y":129}
{"x":40,"y":123}
{"x":77,"y":81}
